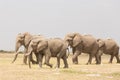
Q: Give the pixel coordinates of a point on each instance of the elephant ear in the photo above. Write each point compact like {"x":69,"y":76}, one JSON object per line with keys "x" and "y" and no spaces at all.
{"x":77,"y":39}
{"x":42,"y":45}
{"x":27,"y":38}
{"x":101,"y":43}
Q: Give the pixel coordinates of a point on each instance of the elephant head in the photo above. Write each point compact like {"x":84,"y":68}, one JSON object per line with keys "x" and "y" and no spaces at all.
{"x":22,"y":40}
{"x":19,"y":41}
{"x":101,"y":43}
{"x":73,"y":39}
{"x":38,"y":46}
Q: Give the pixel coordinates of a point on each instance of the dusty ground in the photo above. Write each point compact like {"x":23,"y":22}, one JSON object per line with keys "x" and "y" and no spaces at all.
{"x":19,"y":71}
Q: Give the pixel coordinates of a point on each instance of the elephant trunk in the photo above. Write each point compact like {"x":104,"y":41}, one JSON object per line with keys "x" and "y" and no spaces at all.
{"x":30,"y":50}
{"x":17,"y":46}
{"x":68,"y":52}
{"x":16,"y":51}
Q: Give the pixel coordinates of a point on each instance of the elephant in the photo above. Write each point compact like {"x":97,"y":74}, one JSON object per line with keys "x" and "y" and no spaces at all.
{"x":24,"y":40}
{"x":54,"y":47}
{"x":83,"y":44}
{"x":110,"y":47}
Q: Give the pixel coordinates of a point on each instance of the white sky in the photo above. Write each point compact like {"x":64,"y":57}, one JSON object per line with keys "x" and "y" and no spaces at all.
{"x":55,"y":18}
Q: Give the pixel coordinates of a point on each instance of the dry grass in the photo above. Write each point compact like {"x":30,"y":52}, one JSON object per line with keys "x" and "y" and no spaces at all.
{"x":19,"y":71}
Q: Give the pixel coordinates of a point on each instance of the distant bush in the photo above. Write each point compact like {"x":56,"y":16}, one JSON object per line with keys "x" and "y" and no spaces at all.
{"x":3,"y":51}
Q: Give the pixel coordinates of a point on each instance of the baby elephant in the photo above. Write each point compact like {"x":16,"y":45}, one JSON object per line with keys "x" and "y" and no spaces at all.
{"x":110,"y":47}
{"x":55,"y":47}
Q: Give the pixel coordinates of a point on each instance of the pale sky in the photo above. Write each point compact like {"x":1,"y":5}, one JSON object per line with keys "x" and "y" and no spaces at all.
{"x":55,"y":18}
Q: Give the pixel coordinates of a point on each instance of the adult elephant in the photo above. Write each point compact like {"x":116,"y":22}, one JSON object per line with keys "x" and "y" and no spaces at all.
{"x":83,"y":44}
{"x":23,"y":40}
{"x":55,"y":47}
{"x":110,"y":47}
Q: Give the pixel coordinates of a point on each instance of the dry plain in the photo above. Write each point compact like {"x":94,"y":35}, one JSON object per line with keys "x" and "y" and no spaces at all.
{"x":19,"y":71}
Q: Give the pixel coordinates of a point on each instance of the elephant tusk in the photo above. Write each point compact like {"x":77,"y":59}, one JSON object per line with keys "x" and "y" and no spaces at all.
{"x":27,"y":54}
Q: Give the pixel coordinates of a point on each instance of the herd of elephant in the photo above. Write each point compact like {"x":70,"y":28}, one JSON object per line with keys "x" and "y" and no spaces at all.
{"x":57,"y":47}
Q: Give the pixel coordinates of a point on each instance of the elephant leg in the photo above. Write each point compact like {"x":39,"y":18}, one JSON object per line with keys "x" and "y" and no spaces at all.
{"x":100,"y":53}
{"x":31,"y":58}
{"x":65,"y":62}
{"x":75,"y":60}
{"x":25,"y":59}
{"x":117,"y":58}
{"x":111,"y":58}
{"x":47,"y":58}
{"x":37,"y":60}
{"x":58,"y":62}
{"x":59,"y":55}
{"x":40,"y":58}
{"x":98,"y":59}
{"x":90,"y":59}
{"x":75,"y":57}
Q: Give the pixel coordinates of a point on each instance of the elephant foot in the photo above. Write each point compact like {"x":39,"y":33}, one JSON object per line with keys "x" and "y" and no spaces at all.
{"x":75,"y":62}
{"x":118,"y":61}
{"x":44,"y":63}
{"x":87,"y":63}
{"x":50,"y":65}
{"x":110,"y":62}
{"x":37,"y":62}
{"x":34,"y":62}
{"x":65,"y":67}
{"x":98,"y":63}
{"x":57,"y":66}
{"x":25,"y":63}
{"x":40,"y":66}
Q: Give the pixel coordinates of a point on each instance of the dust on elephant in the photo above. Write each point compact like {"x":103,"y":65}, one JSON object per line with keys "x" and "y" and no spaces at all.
{"x":83,"y":44}
{"x":55,"y":47}
{"x":23,"y":40}
{"x":110,"y":47}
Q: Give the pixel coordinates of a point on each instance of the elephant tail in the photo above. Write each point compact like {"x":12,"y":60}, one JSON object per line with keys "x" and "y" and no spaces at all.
{"x":68,"y":52}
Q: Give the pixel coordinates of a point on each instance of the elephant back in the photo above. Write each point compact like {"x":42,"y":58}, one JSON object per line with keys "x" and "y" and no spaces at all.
{"x":89,"y":40}
{"x":55,"y":45}
{"x":110,"y":43}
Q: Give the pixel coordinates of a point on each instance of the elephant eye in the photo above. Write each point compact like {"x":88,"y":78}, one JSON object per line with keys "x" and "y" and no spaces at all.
{"x":69,"y":40}
{"x":39,"y":41}
{"x":20,"y":38}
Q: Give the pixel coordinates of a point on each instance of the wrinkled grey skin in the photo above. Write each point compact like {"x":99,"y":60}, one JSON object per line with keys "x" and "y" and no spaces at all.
{"x":110,"y":47}
{"x":23,"y":40}
{"x":50,"y":48}
{"x":83,"y":44}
